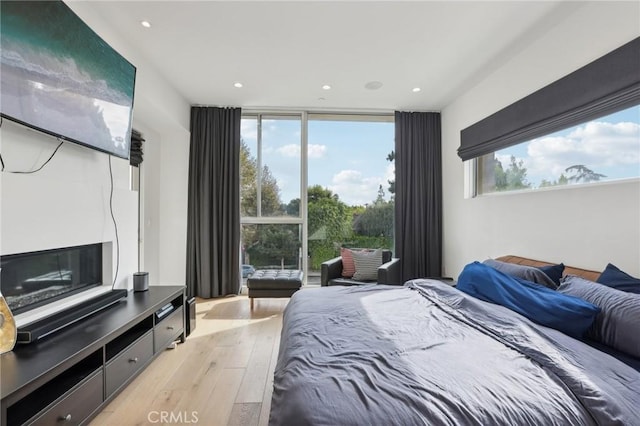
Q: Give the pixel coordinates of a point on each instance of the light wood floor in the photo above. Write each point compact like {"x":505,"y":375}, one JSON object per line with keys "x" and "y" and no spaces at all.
{"x":222,"y":374}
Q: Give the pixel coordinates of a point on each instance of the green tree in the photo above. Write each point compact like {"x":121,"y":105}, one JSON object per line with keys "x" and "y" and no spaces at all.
{"x":375,"y":221}
{"x":391,"y":157}
{"x":380,"y":197}
{"x":514,"y":177}
{"x":582,"y":173}
{"x":329,"y":224}
{"x":373,"y":225}
{"x":293,"y":208}
{"x":275,"y":244}
{"x":562,"y":180}
{"x":249,"y":187}
{"x":261,"y":242}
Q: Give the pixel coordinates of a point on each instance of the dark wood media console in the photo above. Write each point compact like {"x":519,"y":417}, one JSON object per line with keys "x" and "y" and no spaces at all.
{"x":69,"y":376}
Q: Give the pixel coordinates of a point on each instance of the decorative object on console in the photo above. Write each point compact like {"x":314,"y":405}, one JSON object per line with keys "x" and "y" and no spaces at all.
{"x":7,"y":327}
{"x":141,"y":281}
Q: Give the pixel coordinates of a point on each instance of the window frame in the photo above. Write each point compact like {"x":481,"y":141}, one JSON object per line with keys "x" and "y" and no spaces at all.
{"x":305,"y":116}
{"x":472,"y":170}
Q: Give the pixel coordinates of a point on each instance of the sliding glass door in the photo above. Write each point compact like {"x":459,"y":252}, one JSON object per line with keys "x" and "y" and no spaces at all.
{"x":351,"y":180}
{"x":312,"y":183}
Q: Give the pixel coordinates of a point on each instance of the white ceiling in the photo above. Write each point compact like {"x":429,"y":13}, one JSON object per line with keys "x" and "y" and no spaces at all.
{"x":283,"y":52}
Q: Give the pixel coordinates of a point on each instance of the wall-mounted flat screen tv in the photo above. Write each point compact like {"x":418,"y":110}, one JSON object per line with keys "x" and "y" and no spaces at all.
{"x":60,"y":77}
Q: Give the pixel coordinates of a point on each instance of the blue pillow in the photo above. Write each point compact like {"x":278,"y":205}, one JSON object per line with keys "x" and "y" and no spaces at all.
{"x":614,"y":277}
{"x":618,"y":324}
{"x":553,"y":271}
{"x":571,"y":315}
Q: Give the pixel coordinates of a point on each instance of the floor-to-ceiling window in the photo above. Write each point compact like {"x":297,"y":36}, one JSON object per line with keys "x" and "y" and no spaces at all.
{"x":312,"y":183}
{"x":270,"y":188}
{"x":351,"y":179}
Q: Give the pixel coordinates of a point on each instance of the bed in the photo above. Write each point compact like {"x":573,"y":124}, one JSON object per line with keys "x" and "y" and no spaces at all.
{"x":428,"y":354}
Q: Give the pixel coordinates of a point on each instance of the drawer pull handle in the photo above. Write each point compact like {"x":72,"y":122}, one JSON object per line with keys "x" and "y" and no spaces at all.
{"x":169,"y":328}
{"x":66,"y":418}
{"x":133,"y":360}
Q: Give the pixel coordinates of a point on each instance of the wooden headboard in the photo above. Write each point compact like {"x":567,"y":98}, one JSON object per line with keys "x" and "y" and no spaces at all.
{"x":568,"y":270}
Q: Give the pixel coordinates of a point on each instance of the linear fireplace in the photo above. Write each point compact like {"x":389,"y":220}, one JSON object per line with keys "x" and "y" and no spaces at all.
{"x":50,"y":289}
{"x":33,"y":279}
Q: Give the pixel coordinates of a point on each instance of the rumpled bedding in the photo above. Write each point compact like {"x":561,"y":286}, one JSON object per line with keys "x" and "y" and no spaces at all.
{"x":428,"y":354}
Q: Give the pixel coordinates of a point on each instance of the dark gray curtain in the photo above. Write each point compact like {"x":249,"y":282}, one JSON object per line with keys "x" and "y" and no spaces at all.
{"x":418,"y":202}
{"x":213,"y":215}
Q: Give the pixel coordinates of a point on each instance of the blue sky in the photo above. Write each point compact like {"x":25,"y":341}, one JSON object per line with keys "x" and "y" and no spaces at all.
{"x":349,"y":157}
{"x":609,"y":145}
{"x":345,"y":156}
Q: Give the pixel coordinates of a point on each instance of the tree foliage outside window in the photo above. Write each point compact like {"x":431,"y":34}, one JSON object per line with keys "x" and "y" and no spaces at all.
{"x":271,"y":204}
{"x":331,"y":222}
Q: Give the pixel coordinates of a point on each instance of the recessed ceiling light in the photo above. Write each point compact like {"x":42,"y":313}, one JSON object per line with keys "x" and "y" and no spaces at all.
{"x":238,"y":85}
{"x":415,"y":89}
{"x":326,"y":87}
{"x":145,"y":24}
{"x":373,"y":85}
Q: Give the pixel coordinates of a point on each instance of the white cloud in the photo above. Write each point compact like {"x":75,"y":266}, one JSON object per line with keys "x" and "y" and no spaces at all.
{"x":595,"y":145}
{"x":293,"y":150}
{"x":249,"y":130}
{"x":316,"y":151}
{"x":355,"y":189}
{"x":390,"y":173}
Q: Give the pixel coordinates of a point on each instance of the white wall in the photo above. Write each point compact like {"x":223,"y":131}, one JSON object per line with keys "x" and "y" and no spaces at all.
{"x":173,"y":207}
{"x":581,"y":226}
{"x":162,"y":115}
{"x":67,"y":202}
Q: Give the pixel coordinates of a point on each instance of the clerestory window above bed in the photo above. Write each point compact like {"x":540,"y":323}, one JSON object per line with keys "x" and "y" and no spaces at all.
{"x":581,"y":128}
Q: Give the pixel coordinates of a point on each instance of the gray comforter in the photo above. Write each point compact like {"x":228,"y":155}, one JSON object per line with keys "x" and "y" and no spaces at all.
{"x":428,"y":354}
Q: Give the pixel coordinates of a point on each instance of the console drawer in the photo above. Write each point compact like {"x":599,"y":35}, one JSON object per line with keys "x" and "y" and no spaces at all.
{"x":76,"y":405}
{"x":124,"y":366}
{"x":167,"y":330}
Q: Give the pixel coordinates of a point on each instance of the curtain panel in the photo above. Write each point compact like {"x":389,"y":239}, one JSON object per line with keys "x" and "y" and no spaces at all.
{"x":604,"y":86}
{"x":213,"y":211}
{"x":418,"y":199}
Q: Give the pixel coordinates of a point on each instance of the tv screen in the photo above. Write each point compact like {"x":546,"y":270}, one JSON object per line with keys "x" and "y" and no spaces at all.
{"x":60,"y":77}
